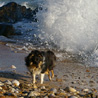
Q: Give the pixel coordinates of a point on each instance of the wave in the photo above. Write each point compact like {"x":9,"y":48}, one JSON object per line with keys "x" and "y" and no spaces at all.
{"x":70,"y":25}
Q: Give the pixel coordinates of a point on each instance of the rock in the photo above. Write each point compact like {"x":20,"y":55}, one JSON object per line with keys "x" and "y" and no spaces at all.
{"x":46,"y":97}
{"x":16,"y":91}
{"x":59,"y":80}
{"x":73,"y":97}
{"x":86,"y":90}
{"x":2,"y":96}
{"x":70,"y":89}
{"x":13,"y":67}
{"x":33,"y":93}
{"x":51,"y":96}
{"x":25,"y":93}
{"x":53,"y":90}
{"x":4,"y":87}
{"x":6,"y":29}
{"x":0,"y":88}
{"x":8,"y":82}
{"x":12,"y":90}
{"x":13,"y":12}
{"x":15,"y":82}
{"x":43,"y":88}
{"x":1,"y":84}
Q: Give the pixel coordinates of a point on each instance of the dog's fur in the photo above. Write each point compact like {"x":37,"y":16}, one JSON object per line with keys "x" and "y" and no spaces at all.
{"x":40,"y":62}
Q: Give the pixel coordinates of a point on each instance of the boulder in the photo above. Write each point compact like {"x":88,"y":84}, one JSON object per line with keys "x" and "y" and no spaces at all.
{"x":6,"y":29}
{"x":13,"y":12}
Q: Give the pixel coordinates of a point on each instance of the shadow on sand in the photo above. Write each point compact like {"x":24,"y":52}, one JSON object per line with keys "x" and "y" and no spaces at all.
{"x":13,"y":75}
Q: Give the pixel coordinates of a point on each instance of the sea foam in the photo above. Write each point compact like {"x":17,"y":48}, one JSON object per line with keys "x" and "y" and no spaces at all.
{"x":70,"y":24}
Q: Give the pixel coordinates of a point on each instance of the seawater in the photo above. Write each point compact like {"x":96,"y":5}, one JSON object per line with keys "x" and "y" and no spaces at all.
{"x":70,"y":25}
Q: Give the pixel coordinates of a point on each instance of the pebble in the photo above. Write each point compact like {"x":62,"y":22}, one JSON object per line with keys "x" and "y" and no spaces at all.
{"x":8,"y":82}
{"x":86,"y":90}
{"x":43,"y":88}
{"x":15,"y":82}
{"x":73,"y":97}
{"x":70,"y":89}
{"x":51,"y":95}
{"x":13,"y":67}
{"x":0,"y":88}
{"x":1,"y":84}
{"x":33,"y":93}
{"x":53,"y":90}
{"x":24,"y":91}
{"x":12,"y":90}
{"x":46,"y":97}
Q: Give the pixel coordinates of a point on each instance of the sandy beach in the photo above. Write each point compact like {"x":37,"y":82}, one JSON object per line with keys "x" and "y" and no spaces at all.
{"x":67,"y":74}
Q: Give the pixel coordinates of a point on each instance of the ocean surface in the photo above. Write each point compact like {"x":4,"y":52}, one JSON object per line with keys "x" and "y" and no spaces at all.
{"x":66,"y":25}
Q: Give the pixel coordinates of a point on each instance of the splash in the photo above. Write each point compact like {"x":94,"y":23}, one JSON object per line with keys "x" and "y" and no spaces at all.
{"x":1,"y":4}
{"x":70,"y":24}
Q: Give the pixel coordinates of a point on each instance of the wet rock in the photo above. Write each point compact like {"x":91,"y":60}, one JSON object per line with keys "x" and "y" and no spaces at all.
{"x":6,"y":29}
{"x":13,"y":12}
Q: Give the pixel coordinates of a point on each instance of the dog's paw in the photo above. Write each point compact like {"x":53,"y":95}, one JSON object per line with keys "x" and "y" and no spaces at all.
{"x":34,"y":86}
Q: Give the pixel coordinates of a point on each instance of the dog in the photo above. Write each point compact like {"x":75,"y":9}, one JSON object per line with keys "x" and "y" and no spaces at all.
{"x":40,"y":62}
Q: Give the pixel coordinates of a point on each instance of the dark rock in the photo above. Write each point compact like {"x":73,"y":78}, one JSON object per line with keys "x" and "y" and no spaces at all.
{"x":6,"y":30}
{"x":13,"y":12}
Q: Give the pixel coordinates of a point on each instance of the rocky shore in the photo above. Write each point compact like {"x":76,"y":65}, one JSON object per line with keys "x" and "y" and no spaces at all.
{"x":72,"y":79}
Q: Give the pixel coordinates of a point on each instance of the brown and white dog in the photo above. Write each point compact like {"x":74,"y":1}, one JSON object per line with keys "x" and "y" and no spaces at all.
{"x":40,"y":62}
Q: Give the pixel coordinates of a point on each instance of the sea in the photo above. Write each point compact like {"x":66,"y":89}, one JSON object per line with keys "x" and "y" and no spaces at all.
{"x":63,"y":25}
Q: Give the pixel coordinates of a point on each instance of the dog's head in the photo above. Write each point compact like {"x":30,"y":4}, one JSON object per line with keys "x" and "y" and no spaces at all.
{"x":35,"y":58}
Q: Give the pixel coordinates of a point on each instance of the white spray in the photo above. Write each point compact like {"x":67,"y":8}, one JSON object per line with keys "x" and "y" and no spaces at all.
{"x":70,"y":24}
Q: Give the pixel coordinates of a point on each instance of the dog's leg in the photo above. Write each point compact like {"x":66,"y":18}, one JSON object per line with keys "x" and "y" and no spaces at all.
{"x":34,"y":78}
{"x":52,"y":73}
{"x":42,"y":78}
{"x":49,"y":75}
